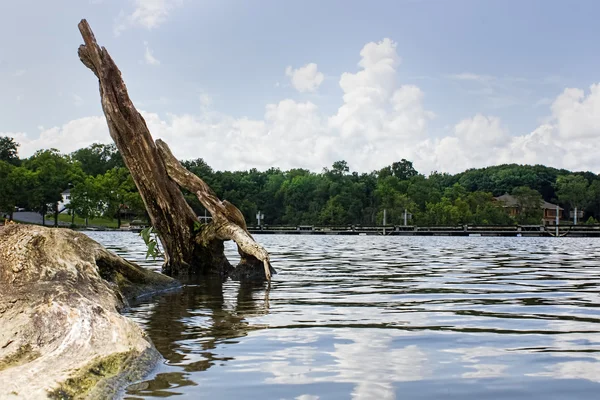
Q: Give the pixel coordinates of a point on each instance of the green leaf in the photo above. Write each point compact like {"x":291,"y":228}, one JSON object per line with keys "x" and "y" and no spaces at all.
{"x":198,"y":226}
{"x":151,"y":250}
{"x":145,"y":234}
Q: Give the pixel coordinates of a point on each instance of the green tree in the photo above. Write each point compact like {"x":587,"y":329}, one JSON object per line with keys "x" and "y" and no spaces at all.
{"x":529,"y":202}
{"x":118,"y":193}
{"x":422,"y":191}
{"x":339,"y":168}
{"x":304,"y":196}
{"x":87,"y":199}
{"x":504,"y":178}
{"x":443,"y":180}
{"x":572,"y":190}
{"x":333,"y":213}
{"x":403,"y":169}
{"x":8,"y":194}
{"x":98,"y":158}
{"x":594,"y":198}
{"x":9,"y":150}
{"x":391,"y":196}
{"x":270,"y":198}
{"x":485,"y":210}
{"x":441,"y":213}
{"x":53,"y":172}
{"x":455,"y":192}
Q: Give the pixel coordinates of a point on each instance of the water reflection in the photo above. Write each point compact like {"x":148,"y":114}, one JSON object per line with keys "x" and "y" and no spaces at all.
{"x":385,"y":317}
{"x":187,"y":325}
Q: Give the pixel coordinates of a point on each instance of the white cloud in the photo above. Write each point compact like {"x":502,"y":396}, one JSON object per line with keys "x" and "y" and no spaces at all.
{"x":569,"y":139}
{"x":149,"y":56}
{"x":291,"y":134}
{"x":67,"y":138}
{"x":475,"y":142}
{"x":379,"y":121}
{"x":147,"y":14}
{"x":578,"y":116}
{"x":305,"y":79}
{"x":19,"y":72}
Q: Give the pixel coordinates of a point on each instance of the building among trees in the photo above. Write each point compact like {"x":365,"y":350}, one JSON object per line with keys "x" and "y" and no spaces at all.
{"x":515,"y":206}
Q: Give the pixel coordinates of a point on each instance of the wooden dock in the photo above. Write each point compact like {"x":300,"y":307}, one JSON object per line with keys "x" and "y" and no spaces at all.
{"x":460,"y":230}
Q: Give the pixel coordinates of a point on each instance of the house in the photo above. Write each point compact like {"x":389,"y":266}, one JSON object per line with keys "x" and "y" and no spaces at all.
{"x":64,"y":202}
{"x":512,"y":206}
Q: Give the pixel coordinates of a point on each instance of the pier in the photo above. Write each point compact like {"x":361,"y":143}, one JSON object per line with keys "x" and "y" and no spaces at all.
{"x":459,"y":230}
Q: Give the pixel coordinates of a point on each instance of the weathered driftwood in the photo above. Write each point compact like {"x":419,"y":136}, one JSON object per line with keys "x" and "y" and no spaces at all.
{"x":189,"y":248}
{"x":61,"y":334}
{"x":227,"y":221}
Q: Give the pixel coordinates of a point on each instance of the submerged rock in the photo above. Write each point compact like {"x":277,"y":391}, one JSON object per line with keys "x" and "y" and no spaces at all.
{"x":61,"y":334}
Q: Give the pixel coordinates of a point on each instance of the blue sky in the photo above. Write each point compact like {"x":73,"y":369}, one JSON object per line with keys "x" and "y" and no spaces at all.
{"x":470,"y":83}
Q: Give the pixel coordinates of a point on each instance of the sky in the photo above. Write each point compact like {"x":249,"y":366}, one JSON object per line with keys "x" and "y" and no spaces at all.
{"x":447,"y":84}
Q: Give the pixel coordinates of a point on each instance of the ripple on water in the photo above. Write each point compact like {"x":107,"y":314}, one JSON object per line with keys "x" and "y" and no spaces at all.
{"x":382,"y":318}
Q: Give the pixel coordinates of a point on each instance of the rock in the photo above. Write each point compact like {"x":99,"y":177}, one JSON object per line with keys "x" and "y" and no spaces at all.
{"x":61,"y":334}
{"x":248,"y":272}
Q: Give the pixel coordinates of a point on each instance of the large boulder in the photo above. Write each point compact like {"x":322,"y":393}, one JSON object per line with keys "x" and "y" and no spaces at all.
{"x":61,"y":334}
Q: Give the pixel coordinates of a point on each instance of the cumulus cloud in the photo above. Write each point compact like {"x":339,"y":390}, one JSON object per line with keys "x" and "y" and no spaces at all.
{"x":569,"y":139}
{"x":577,"y":115}
{"x":290,"y":134}
{"x":67,"y":138}
{"x":379,"y":121}
{"x":147,"y":14}
{"x":305,"y":79}
{"x":149,"y":56}
{"x":475,"y":142}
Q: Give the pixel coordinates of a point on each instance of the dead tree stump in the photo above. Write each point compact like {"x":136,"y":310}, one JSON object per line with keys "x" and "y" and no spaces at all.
{"x":189,"y":247}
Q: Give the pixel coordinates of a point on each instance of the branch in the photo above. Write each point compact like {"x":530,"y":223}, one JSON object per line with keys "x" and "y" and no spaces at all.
{"x":228,"y":221}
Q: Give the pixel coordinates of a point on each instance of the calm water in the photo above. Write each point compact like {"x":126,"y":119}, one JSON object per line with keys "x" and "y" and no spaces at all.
{"x":384,"y":318}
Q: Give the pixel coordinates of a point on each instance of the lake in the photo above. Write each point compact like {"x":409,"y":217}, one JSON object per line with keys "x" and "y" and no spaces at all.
{"x":370,"y":317}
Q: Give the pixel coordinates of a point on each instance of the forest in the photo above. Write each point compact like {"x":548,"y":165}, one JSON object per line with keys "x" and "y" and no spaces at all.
{"x":101,"y":186}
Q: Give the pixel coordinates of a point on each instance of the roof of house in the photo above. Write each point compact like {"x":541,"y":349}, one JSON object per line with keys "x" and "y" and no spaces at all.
{"x":511,"y":201}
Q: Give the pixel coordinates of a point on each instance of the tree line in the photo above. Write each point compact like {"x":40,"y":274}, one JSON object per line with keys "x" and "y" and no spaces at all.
{"x":100,"y":185}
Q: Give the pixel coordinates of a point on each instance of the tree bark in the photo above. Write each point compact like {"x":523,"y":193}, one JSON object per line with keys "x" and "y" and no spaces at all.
{"x":227,"y":220}
{"x":189,"y":247}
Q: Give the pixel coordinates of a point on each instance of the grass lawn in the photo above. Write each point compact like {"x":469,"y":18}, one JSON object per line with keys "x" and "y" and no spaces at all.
{"x":98,"y":221}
